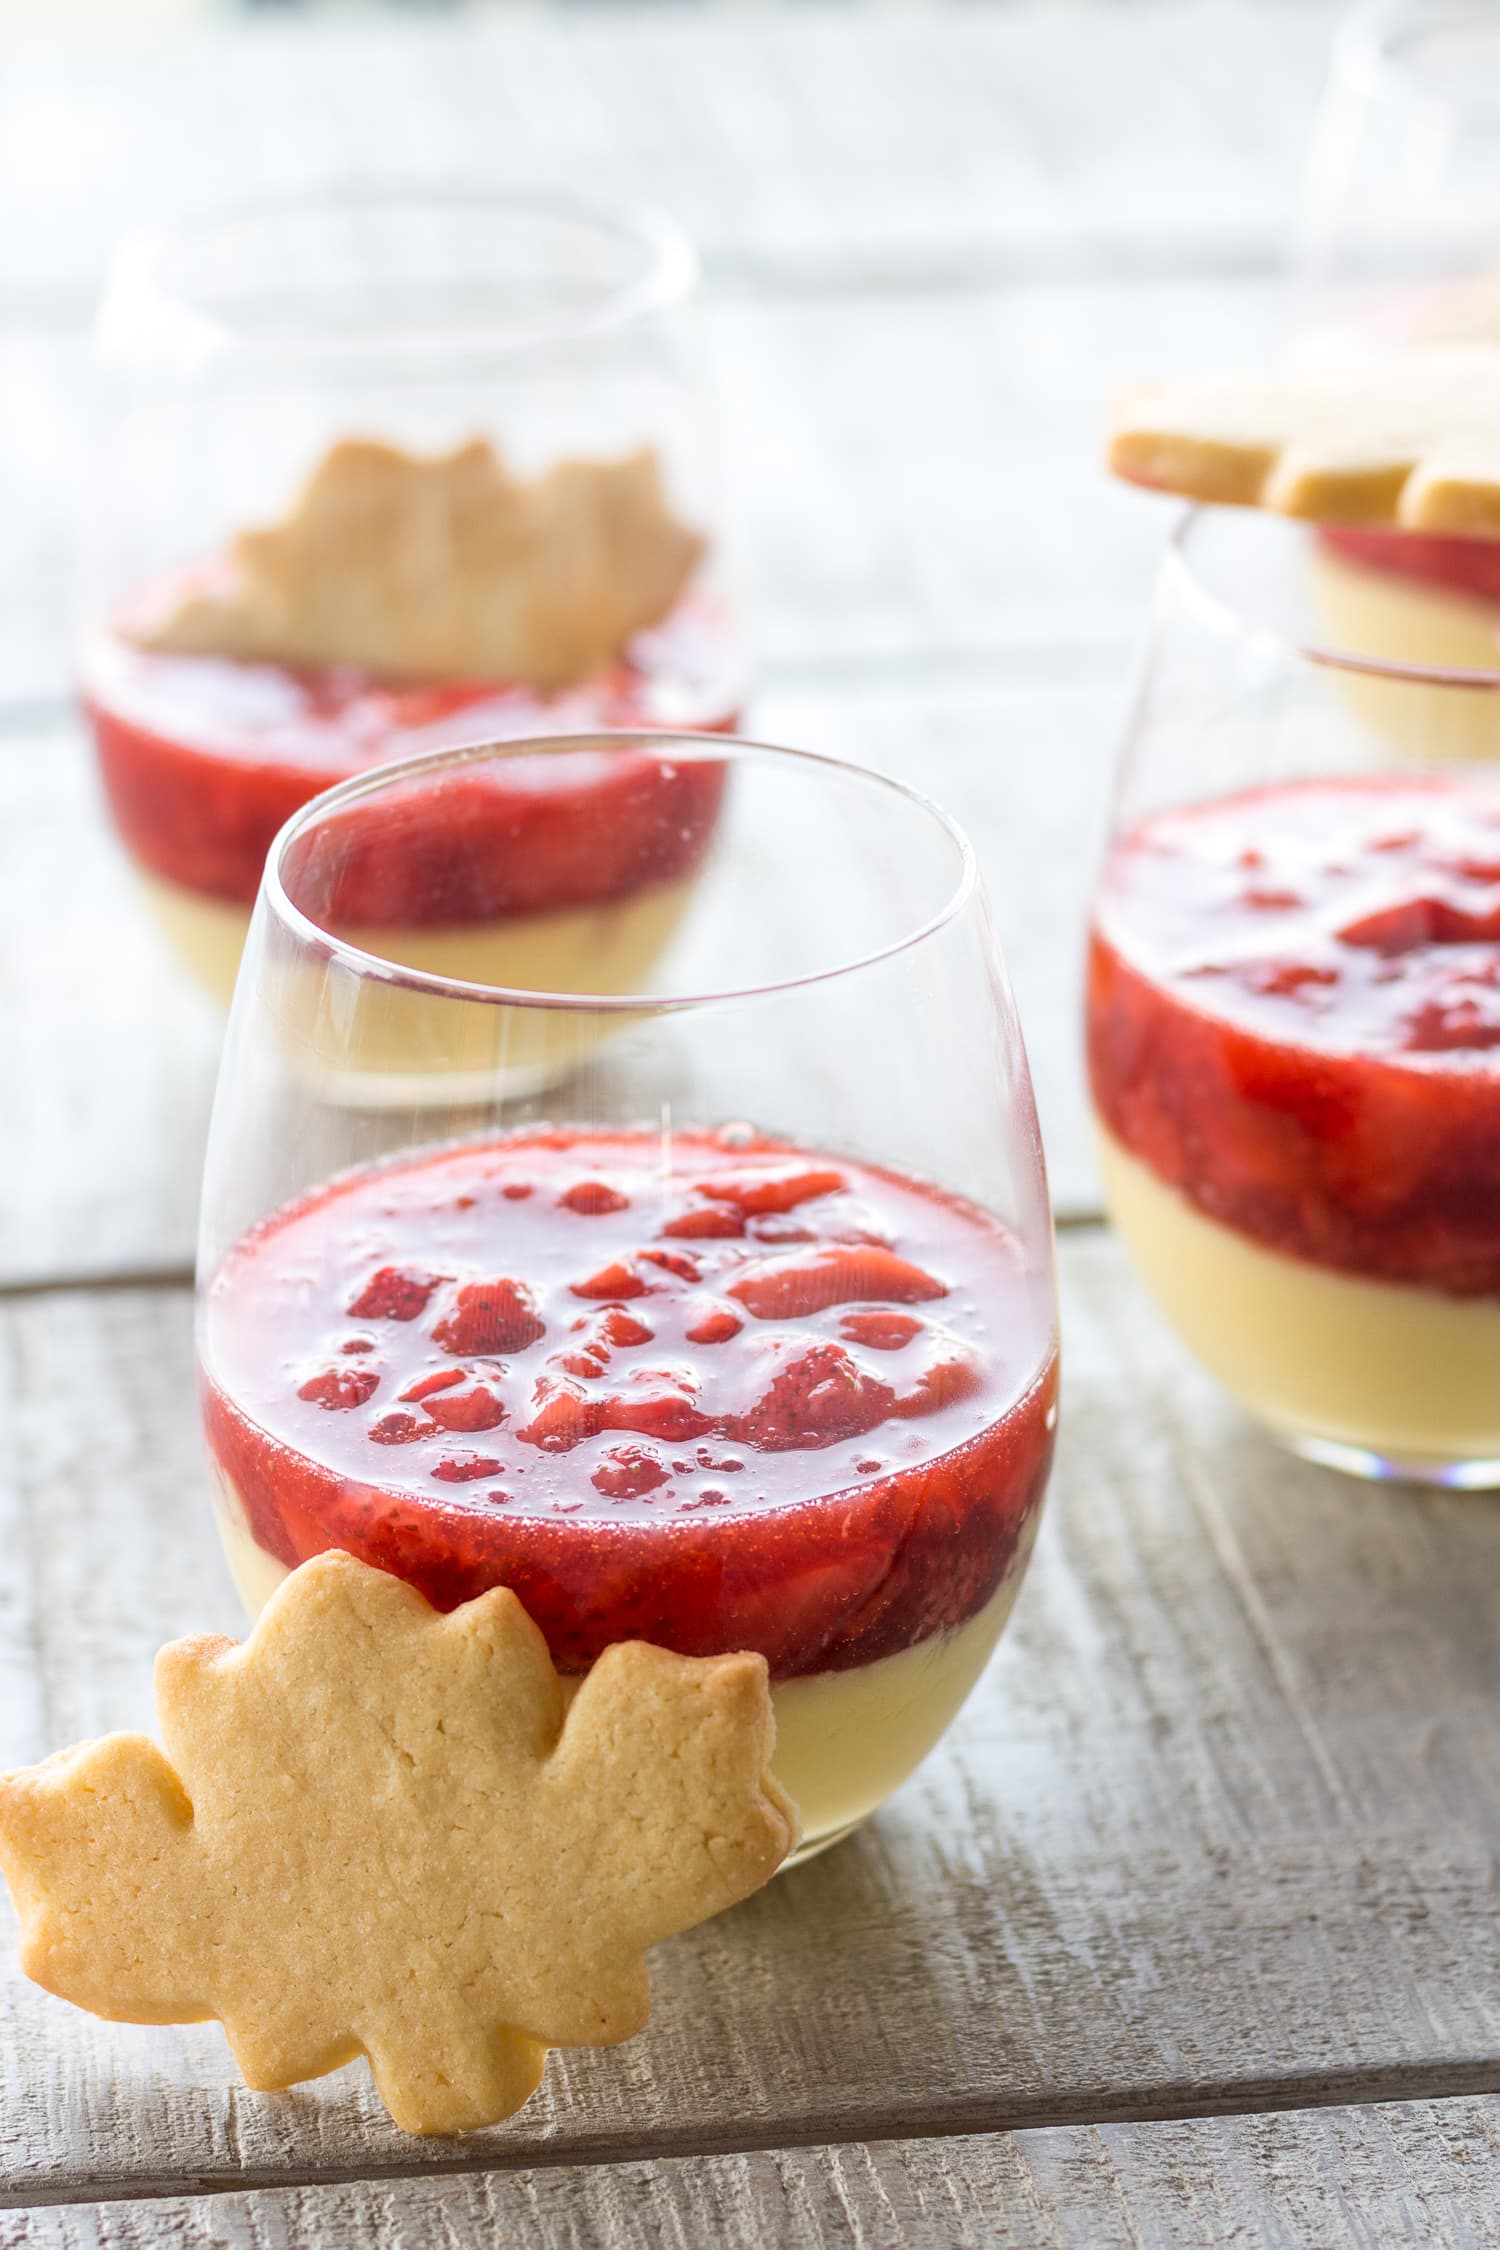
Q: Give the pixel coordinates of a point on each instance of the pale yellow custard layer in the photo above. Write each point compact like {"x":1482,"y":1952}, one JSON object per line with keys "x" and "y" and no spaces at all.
{"x":1385,"y":1367}
{"x":844,"y":1740}
{"x":207,"y":935}
{"x":1390,"y":620}
{"x":582,"y":949}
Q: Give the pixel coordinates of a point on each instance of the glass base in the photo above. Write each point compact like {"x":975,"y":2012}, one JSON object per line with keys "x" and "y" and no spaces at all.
{"x":811,"y":1846}
{"x":1381,"y":1468}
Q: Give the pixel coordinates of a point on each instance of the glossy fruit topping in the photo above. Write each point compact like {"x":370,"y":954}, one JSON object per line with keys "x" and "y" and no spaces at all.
{"x":823,"y":1451}
{"x":204,"y":758}
{"x":1462,"y":566}
{"x":1294,"y":1017}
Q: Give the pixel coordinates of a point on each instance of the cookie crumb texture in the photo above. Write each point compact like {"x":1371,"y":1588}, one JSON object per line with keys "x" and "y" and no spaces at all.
{"x":376,"y":1830}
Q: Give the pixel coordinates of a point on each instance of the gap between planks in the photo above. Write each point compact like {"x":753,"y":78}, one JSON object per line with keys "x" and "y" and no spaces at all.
{"x":1165,"y":2104}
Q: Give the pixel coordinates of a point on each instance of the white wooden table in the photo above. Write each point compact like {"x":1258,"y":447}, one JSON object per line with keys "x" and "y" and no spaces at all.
{"x":1188,"y":1933}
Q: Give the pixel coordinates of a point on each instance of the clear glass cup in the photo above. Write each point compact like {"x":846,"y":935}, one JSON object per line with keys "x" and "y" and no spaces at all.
{"x":702,"y":1293}
{"x":379,"y":471}
{"x":1399,"y":246}
{"x":1293,"y":1015}
{"x":1399,"y":223}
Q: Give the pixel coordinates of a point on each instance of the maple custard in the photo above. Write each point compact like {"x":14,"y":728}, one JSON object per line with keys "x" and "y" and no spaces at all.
{"x":726,"y":1394}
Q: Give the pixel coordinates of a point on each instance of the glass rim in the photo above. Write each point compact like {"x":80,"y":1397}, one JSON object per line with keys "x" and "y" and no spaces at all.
{"x":669,"y":258}
{"x":1369,"y":42}
{"x":376,"y":968}
{"x":1179,"y":567}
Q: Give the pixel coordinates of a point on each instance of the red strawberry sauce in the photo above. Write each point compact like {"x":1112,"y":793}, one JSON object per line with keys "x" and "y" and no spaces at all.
{"x":1294,"y":1019}
{"x":203,"y":757}
{"x":752,"y":1399}
{"x":1462,"y":566}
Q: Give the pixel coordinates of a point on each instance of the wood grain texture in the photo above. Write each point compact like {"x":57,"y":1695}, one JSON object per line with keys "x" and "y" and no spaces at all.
{"x":1216,"y":1832}
{"x":806,"y":148}
{"x":110,"y":1053}
{"x":1403,"y":2176}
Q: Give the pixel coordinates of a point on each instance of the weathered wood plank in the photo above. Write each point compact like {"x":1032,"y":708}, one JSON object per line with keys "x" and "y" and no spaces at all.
{"x":1403,"y":2176}
{"x":802,"y":147}
{"x":1216,"y":1832}
{"x":112,"y":1054}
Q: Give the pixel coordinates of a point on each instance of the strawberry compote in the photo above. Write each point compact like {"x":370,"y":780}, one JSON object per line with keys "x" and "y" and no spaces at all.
{"x":738,"y":1396}
{"x":1457,"y":566}
{"x":1294,"y":1027}
{"x":204,"y":757}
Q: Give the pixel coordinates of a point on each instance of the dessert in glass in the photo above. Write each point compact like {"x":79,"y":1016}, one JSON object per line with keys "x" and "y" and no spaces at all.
{"x":1293,"y":1019}
{"x":742,"y":1336}
{"x":379,"y":473}
{"x":1397,"y":233}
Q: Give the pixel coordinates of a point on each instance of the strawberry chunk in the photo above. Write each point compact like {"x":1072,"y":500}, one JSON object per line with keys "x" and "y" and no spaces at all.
{"x":337,"y":1388}
{"x":462,"y":1468}
{"x":616,"y":1281}
{"x":820,"y":1396}
{"x":626,"y":1471}
{"x":659,"y":1402}
{"x":839,"y":1273}
{"x":398,"y":1429}
{"x":592,"y":1198}
{"x":681,"y":1263}
{"x":443,"y":1379}
{"x":562,"y":1416}
{"x":395,"y":1293}
{"x":776,"y":1228}
{"x":604,"y":1333}
{"x":619,"y":1330}
{"x":1422,"y":921}
{"x":714,"y":1325}
{"x":475,"y":1407}
{"x":774,"y":1187}
{"x":880,"y":1331}
{"x":708,"y":1222}
{"x":490,"y":1316}
{"x":802,"y":1610}
{"x":949,"y":1378}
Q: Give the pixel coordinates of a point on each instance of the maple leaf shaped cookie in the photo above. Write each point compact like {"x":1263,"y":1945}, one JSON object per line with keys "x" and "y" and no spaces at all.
{"x":376,"y":1829}
{"x":444,"y":566}
{"x":1411,"y":441}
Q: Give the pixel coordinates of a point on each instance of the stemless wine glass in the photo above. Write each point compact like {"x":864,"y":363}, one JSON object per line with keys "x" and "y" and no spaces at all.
{"x":380,"y":470}
{"x":1293,"y":1016}
{"x":700,"y":1289}
{"x":1399,"y":226}
{"x":1399,"y":247}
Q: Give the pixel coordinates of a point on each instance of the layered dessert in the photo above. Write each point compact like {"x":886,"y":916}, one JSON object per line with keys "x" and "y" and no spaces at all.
{"x":404,"y":604}
{"x":722,"y":1394}
{"x":1294,"y":1054}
